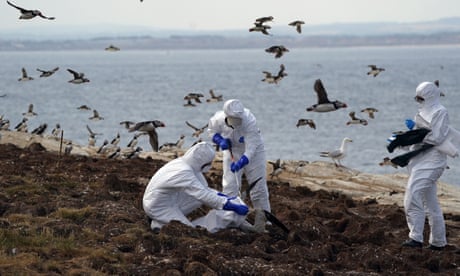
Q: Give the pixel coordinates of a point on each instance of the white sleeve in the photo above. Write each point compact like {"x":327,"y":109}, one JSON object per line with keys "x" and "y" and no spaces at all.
{"x":439,"y":128}
{"x":252,"y":137}
{"x":214,"y":124}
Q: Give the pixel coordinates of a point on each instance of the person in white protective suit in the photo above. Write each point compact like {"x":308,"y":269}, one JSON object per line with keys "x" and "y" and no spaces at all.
{"x":179,"y":187}
{"x":420,"y":199}
{"x":234,"y":129}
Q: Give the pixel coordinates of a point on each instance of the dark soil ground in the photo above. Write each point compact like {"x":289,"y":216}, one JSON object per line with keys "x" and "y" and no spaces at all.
{"x":77,"y":215}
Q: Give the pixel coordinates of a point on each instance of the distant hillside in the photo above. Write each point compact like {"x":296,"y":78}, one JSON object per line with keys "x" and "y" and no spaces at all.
{"x":443,"y":31}
{"x":221,"y":42}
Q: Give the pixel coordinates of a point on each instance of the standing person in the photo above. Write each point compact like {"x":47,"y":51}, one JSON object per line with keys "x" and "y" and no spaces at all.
{"x":420,"y":199}
{"x":179,"y":187}
{"x":234,"y":129}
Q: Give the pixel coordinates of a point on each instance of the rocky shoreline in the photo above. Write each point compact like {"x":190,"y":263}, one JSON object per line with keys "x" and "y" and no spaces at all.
{"x":316,"y":175}
{"x":81,"y":214}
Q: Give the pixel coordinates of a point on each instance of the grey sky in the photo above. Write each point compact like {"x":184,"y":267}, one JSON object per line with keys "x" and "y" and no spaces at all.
{"x":217,"y":14}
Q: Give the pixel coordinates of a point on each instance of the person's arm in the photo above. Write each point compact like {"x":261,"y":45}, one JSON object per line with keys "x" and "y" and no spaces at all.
{"x":252,"y":137}
{"x":207,"y":196}
{"x":439,"y":128}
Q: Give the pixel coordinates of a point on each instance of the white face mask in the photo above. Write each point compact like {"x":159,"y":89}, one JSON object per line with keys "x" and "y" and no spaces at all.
{"x":233,"y":121}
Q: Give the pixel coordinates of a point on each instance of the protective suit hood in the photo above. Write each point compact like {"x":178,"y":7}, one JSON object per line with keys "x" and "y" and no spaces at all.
{"x":234,"y":108}
{"x":234,"y":112}
{"x":199,"y":155}
{"x":430,"y":93}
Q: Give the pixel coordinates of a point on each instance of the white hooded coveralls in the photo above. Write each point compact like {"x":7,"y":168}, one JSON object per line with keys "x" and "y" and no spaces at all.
{"x":426,"y":168}
{"x":179,"y":187}
{"x":245,"y":139}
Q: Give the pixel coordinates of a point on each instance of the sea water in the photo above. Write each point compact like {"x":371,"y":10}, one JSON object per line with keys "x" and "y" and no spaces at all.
{"x":151,"y":85}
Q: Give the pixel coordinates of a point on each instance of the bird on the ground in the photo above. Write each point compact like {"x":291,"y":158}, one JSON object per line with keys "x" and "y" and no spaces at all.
{"x":199,"y":140}
{"x":68,"y":148}
{"x":269,"y":78}
{"x":370,"y":111}
{"x":374,"y":71}
{"x":278,"y":168}
{"x":22,"y":126}
{"x":103,"y":147}
{"x":278,"y":50}
{"x":304,"y":122}
{"x":324,"y":104}
{"x":116,"y":140}
{"x":78,"y":78}
{"x":4,"y":124}
{"x":29,"y":14}
{"x":197,"y":131}
{"x":46,"y":73}
{"x":214,"y":97}
{"x":338,"y":154}
{"x":133,"y":142}
{"x":133,"y":153}
{"x":40,"y":129}
{"x":355,"y":120}
{"x":24,"y":76}
{"x":180,"y":142}
{"x":96,"y":116}
{"x":387,"y":162}
{"x":84,"y":107}
{"x":297,"y":24}
{"x":149,"y":127}
{"x":56,"y":131}
{"x":30,"y":111}
{"x":115,"y":154}
{"x":177,"y":145}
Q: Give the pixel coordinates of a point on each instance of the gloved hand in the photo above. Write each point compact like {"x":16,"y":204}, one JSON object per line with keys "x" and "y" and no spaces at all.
{"x":224,"y":143}
{"x":240,"y":209}
{"x":410,"y":124}
{"x":236,"y":166}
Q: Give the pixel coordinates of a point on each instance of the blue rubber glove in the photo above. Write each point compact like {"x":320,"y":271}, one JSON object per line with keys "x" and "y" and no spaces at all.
{"x":236,"y":166}
{"x":410,"y":124}
{"x":224,"y":143}
{"x":224,"y":195}
{"x":240,"y":209}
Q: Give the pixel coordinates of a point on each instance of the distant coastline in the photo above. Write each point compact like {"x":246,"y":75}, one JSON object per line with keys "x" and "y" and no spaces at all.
{"x":445,"y":31}
{"x":234,"y":42}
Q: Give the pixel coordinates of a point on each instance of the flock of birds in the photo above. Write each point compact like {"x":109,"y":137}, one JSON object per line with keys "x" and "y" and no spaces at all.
{"x":323,"y":103}
{"x":148,"y":128}
{"x":110,"y":149}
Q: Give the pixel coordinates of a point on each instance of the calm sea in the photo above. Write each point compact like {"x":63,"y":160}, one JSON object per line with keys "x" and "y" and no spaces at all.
{"x":146,"y":85}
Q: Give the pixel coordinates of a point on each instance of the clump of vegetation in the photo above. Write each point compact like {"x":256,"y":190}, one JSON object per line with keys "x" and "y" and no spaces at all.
{"x":75,"y":215}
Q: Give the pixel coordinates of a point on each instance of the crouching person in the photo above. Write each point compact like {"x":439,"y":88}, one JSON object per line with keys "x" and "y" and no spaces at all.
{"x":179,"y":187}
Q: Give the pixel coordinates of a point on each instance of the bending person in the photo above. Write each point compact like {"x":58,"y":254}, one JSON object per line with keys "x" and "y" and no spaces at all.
{"x":179,"y":187}
{"x":234,"y":129}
